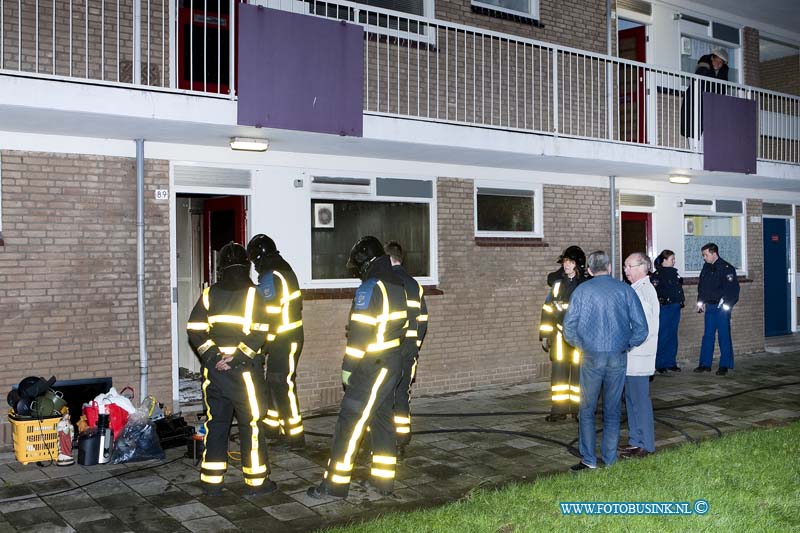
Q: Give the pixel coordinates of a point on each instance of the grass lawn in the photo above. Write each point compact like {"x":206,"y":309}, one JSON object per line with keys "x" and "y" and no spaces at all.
{"x":751,"y":481}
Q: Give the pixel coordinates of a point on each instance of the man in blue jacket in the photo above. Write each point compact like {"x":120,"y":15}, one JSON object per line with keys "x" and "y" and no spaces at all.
{"x":717,"y":293}
{"x":605,"y":319}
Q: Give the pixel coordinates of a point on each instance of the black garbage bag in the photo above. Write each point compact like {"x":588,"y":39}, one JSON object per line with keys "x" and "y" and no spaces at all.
{"x":137,"y":442}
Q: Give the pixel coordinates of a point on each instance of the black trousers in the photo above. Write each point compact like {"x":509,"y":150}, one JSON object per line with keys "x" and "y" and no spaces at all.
{"x":368,"y":403}
{"x":236,"y":392}
{"x":283,"y":407}
{"x":402,"y":397}
{"x":564,"y":376}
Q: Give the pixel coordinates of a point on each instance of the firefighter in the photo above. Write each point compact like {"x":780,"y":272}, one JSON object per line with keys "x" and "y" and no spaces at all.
{"x":371,"y":369}
{"x":226,"y":329}
{"x":417,"y":328}
{"x":278,"y":285}
{"x":565,"y":359}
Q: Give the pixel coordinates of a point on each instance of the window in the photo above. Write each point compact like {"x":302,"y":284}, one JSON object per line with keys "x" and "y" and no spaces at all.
{"x":724,"y":231}
{"x":506,"y":212}
{"x":525,"y":8}
{"x":692,"y":49}
{"x":334,"y":235}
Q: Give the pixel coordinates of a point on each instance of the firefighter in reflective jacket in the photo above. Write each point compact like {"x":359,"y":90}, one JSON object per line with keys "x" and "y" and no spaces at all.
{"x":226,"y":329}
{"x":417,"y":328}
{"x":277,"y":283}
{"x":370,"y":372}
{"x":565,"y":359}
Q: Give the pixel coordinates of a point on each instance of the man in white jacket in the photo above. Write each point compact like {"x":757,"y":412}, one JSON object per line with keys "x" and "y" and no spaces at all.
{"x":641,"y":363}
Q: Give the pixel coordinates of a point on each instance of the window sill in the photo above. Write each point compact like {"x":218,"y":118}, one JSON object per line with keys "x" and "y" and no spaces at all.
{"x":511,"y":242}
{"x":695,"y":281}
{"x":348,"y":293}
{"x":496,"y":13}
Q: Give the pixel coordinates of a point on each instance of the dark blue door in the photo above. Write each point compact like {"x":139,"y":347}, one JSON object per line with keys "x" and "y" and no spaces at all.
{"x":776,"y":277}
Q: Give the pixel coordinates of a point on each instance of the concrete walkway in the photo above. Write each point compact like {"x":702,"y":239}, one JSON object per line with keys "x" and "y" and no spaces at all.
{"x":437,"y":468}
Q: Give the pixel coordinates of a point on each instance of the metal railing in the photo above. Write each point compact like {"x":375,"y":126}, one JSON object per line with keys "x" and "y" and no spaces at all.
{"x":434,"y":70}
{"x":414,"y":67}
{"x":160,"y":44}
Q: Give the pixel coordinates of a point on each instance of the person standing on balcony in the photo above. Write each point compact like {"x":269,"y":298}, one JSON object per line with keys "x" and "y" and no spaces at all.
{"x":371,"y":370}
{"x":669,"y":287}
{"x":278,"y":285}
{"x":641,"y":363}
{"x":565,"y":359}
{"x":604,"y":320}
{"x":417,"y":328}
{"x":226,"y":328}
{"x":713,"y":65}
{"x":717,"y":293}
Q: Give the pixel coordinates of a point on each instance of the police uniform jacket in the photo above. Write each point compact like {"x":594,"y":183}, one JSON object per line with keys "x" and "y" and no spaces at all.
{"x":718,"y":284}
{"x":668,"y":285}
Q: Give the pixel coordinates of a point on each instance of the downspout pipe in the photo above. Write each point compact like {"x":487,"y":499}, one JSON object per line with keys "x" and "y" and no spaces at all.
{"x":610,"y":48}
{"x":140,"y":267}
{"x":612,"y":185}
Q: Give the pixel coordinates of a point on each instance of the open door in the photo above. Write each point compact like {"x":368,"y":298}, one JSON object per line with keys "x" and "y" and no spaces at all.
{"x":637,"y":235}
{"x":632,"y":44}
{"x":223,"y":222}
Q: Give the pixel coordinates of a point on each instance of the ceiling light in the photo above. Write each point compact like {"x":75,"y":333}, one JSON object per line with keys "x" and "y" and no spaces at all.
{"x":249,"y":145}
{"x":681,"y":180}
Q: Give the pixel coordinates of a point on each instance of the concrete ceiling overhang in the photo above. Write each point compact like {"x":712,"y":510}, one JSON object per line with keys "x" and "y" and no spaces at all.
{"x":160,"y":118}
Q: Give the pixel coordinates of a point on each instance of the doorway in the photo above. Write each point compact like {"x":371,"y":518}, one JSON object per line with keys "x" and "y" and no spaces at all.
{"x":632,"y":109}
{"x":203,"y":225}
{"x":777,"y":277}
{"x":636,"y":235}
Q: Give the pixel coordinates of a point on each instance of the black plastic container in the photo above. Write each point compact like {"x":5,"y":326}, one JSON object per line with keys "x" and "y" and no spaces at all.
{"x":89,"y":447}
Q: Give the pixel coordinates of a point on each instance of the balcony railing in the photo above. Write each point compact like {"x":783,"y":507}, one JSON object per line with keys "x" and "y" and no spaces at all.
{"x":415,"y":67}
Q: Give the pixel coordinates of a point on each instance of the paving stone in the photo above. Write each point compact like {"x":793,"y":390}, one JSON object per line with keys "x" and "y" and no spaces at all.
{"x":303,"y":497}
{"x":161,"y":524}
{"x":290,"y":511}
{"x":103,"y":526}
{"x":135,"y":514}
{"x":239,"y":511}
{"x":211,"y":524}
{"x":21,"y":505}
{"x":71,"y":500}
{"x":74,"y":517}
{"x":27,"y":518}
{"x":169,"y":499}
{"x":260,"y":524}
{"x":189,"y":511}
{"x":49,"y":527}
{"x":119,"y":501}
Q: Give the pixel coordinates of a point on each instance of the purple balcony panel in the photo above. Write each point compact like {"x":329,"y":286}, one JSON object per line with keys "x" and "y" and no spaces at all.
{"x":299,"y":72}
{"x":730,"y":135}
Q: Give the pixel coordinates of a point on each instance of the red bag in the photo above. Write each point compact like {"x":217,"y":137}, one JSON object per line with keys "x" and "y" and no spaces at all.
{"x":117,"y":418}
{"x":91,"y":411}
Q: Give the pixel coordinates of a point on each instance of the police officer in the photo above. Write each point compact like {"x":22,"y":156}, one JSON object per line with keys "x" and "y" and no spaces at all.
{"x":226,"y":329}
{"x":417,"y":328}
{"x":717,"y":293}
{"x":669,"y":287}
{"x":565,"y":359}
{"x":278,"y":285}
{"x":370,"y":372}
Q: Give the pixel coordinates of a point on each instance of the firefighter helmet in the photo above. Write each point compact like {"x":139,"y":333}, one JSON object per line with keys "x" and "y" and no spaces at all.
{"x":574,"y":253}
{"x":232,"y":254}
{"x":364,"y":251}
{"x":259,"y":249}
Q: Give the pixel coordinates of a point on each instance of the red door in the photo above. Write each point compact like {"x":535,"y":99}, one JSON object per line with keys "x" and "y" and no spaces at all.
{"x":223,"y":222}
{"x":632,"y":108}
{"x":637,"y":235}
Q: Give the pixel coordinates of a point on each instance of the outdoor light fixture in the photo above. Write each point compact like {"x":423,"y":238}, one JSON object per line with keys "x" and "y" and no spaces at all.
{"x":681,"y":180}
{"x":249,"y":145}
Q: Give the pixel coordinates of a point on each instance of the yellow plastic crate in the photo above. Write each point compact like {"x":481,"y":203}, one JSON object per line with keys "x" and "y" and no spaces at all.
{"x":35,"y":440}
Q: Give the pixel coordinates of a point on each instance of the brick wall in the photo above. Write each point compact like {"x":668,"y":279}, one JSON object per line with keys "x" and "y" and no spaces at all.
{"x":747,"y":323}
{"x":68,"y":271}
{"x":750,"y":57}
{"x":782,"y":75}
{"x":575,"y":23}
{"x":108,"y":47}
